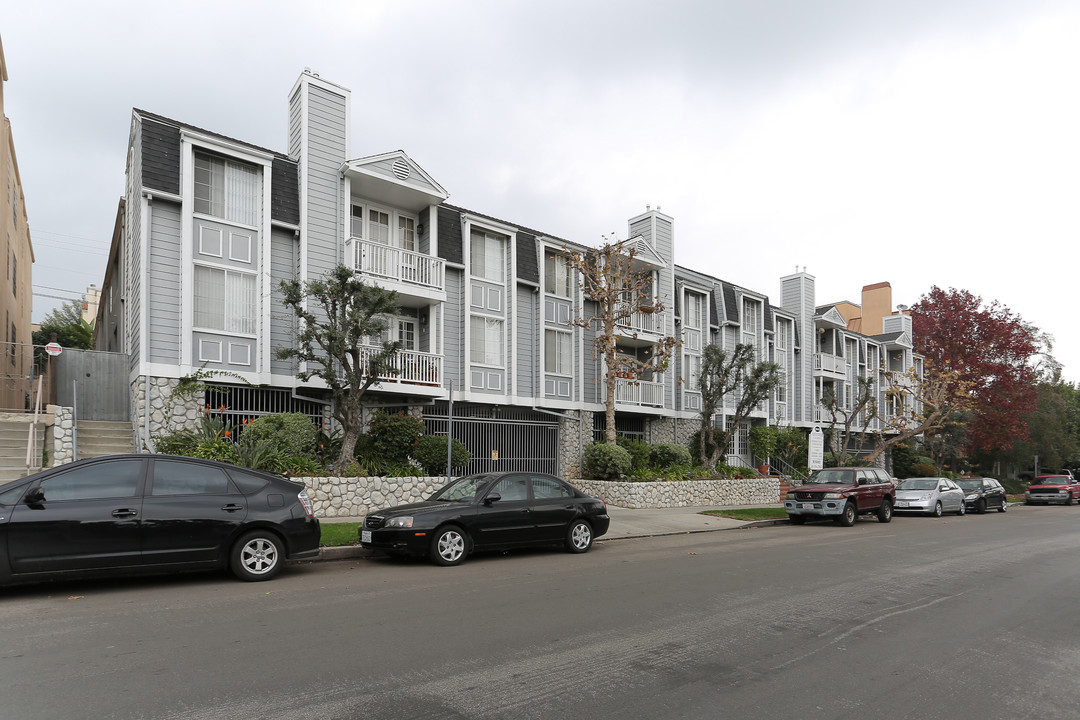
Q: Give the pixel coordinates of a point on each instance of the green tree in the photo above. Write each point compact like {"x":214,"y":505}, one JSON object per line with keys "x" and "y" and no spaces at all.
{"x":336,"y":315}
{"x":723,"y":373}
{"x":71,"y":331}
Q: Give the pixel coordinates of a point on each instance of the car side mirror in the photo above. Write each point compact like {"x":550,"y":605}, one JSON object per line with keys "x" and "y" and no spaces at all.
{"x":34,"y":497}
{"x":492,"y":498}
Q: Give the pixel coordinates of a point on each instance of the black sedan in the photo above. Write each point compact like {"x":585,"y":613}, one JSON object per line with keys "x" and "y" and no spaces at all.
{"x":488,"y":512}
{"x":983,"y":493}
{"x":125,"y":514}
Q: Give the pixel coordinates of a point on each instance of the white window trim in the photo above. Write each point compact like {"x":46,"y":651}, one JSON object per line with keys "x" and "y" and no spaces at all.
{"x":233,"y":347}
{"x":232,"y":246}
{"x":204,"y":345}
{"x":220,"y":241}
{"x":569,"y":371}
{"x":235,"y":271}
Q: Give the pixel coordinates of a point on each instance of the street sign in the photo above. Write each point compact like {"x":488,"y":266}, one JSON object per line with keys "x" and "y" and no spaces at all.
{"x":54,"y":349}
{"x":816,"y":454}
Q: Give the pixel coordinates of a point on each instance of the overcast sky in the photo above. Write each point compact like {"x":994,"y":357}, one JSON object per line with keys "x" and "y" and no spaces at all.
{"x":920,"y":143}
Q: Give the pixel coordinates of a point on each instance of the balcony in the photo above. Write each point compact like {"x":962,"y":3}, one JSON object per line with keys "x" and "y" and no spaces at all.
{"x":642,"y":393}
{"x":414,"y":368}
{"x":412,"y":274}
{"x":641,"y":329}
{"x":832,"y":366}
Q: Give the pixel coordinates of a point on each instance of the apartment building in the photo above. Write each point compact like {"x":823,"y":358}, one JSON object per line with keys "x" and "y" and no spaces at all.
{"x":16,"y":360}
{"x":210,"y":225}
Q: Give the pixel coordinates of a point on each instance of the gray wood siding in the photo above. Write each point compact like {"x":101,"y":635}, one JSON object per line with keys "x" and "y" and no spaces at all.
{"x":132,"y":282}
{"x":529,"y":362}
{"x":164,"y":283}
{"x":325,"y":153}
{"x":282,"y":319}
{"x":453,"y":319}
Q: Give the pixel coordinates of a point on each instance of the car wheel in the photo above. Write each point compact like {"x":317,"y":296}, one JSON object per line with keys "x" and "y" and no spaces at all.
{"x":884,"y":513}
{"x":579,"y":537}
{"x":257,"y":556}
{"x":936,"y":512}
{"x":963,"y":509}
{"x":797,"y":519}
{"x":1068,"y":499}
{"x":448,"y":547}
{"x":847,"y":518}
{"x":1004,"y":505}
{"x":980,"y":506}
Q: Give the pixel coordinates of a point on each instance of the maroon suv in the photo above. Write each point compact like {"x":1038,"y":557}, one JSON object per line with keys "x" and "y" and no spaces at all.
{"x":843,"y":493}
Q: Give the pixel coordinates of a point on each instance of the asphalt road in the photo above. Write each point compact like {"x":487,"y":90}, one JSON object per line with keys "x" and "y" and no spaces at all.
{"x":973,"y":617}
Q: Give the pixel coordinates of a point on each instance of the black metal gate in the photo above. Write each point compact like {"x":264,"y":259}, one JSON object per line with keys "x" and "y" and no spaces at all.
{"x":500,"y":439}
{"x":94,"y":383}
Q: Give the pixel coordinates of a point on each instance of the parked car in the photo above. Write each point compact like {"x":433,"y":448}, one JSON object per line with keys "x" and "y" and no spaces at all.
{"x":125,"y":514}
{"x":487,"y":512}
{"x":983,"y":493}
{"x":843,"y":493}
{"x":930,"y":495}
{"x":1050,"y":489}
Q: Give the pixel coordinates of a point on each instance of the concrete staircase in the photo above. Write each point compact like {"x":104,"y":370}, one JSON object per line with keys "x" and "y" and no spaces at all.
{"x":102,"y":437}
{"x":13,"y":437}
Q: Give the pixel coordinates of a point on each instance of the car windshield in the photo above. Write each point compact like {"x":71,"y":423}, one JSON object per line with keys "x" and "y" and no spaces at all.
{"x":918,"y":484}
{"x":831,"y":477}
{"x":463,"y":489}
{"x":1050,"y":480}
{"x":970,"y":483}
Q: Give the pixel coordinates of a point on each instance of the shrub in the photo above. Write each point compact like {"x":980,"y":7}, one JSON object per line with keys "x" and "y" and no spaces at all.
{"x":603,"y":461}
{"x":639,"y":452}
{"x":394,"y":436}
{"x":921,"y":469}
{"x":430,"y":452}
{"x":291,"y":433}
{"x":665,"y":455}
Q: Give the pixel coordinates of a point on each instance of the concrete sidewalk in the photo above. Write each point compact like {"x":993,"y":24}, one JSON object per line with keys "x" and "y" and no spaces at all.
{"x":625,"y":523}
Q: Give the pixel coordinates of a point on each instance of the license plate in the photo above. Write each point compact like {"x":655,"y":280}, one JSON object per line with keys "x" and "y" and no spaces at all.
{"x":365,"y":536}
{"x":807,"y":506}
{"x":901,"y":503}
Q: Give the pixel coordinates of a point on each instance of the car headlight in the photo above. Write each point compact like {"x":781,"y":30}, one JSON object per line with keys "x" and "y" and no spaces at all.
{"x":833,"y":496}
{"x":926,"y":496}
{"x":405,"y":521}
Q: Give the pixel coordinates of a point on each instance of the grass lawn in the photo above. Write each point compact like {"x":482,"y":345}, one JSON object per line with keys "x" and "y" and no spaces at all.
{"x":751,"y":513}
{"x":339,"y":533}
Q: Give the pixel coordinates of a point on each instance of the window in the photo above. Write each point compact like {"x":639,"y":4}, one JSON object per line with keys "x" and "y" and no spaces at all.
{"x":557,"y":274}
{"x":406,"y":233}
{"x":558,"y":352}
{"x":407,"y":334}
{"x":224,"y":300}
{"x":487,"y":256}
{"x":694,"y":310}
{"x":379,"y":227}
{"x":180,"y":478}
{"x":226,"y":189}
{"x":117,"y":479}
{"x":512,"y":488}
{"x":545,"y":488}
{"x":14,"y":274}
{"x":749,"y":319}
{"x":486,"y":341}
{"x":692,"y":373}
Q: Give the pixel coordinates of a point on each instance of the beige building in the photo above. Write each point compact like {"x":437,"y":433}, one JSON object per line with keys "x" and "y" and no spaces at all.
{"x":18,"y":256}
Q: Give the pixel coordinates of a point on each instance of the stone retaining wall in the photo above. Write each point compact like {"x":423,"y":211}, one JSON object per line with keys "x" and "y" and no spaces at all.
{"x":357,"y":496}
{"x":684,"y":493}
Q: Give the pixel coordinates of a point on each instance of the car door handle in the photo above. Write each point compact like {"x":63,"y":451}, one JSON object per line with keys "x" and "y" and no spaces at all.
{"x":124,"y":512}
{"x":232,"y":507}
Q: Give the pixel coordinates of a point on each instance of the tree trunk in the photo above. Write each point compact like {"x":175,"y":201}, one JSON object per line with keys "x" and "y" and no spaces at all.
{"x":348,"y":450}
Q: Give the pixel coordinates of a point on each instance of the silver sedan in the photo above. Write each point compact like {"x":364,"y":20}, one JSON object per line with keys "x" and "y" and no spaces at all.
{"x":930,"y":495}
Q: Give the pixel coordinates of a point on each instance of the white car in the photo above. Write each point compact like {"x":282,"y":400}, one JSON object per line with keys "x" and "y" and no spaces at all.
{"x":929,"y":495}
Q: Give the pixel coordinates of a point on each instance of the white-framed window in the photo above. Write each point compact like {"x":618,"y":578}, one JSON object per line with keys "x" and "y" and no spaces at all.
{"x":225,"y":300}
{"x":691,"y":372}
{"x":226,"y":189}
{"x":487,"y":255}
{"x":486,"y":340}
{"x":695,"y":307}
{"x":557,"y":274}
{"x":749,"y":319}
{"x":558,"y":352}
{"x":383,"y":226}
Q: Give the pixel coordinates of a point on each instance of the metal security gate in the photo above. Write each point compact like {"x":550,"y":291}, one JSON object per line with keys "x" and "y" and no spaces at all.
{"x":500,"y":439}
{"x":94,"y":383}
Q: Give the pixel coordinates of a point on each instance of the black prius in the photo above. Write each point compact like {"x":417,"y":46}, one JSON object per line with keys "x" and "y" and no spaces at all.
{"x":127,"y":514}
{"x":489,"y":512}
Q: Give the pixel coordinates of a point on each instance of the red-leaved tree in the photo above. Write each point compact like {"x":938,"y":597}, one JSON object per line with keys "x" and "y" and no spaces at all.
{"x":989,"y":348}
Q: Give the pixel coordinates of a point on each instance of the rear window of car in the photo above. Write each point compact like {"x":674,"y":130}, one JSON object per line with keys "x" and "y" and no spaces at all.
{"x":184,"y":478}
{"x":249,"y":482}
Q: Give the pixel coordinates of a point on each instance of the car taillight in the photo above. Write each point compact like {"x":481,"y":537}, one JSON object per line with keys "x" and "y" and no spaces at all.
{"x":302,"y":496}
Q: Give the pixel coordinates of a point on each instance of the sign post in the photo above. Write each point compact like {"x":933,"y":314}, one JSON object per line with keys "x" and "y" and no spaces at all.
{"x":54,"y":349}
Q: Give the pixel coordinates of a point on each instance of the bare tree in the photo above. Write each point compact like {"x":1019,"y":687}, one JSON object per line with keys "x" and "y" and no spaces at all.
{"x":843,"y":417}
{"x":721,"y":375}
{"x":621,"y":289}
{"x":332,"y":344}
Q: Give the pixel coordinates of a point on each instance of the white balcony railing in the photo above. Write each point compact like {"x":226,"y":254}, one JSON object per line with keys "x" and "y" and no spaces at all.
{"x":393,"y":263}
{"x":644,"y":322}
{"x":830,"y":363}
{"x":639,"y":392}
{"x":413,"y":367}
